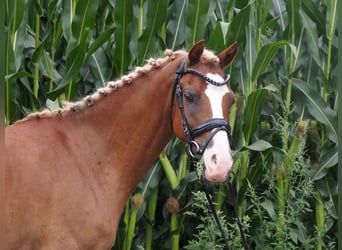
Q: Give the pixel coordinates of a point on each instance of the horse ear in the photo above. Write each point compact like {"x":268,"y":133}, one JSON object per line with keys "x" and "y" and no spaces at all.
{"x":228,"y":55}
{"x":196,"y":52}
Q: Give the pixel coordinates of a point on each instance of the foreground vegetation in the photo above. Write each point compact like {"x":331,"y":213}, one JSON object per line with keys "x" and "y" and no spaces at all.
{"x":284,"y":120}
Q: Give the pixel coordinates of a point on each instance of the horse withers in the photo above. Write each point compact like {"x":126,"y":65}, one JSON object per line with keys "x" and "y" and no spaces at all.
{"x":69,"y":172}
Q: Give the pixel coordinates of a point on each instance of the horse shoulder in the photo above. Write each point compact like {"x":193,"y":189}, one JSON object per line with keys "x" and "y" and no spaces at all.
{"x":42,"y":182}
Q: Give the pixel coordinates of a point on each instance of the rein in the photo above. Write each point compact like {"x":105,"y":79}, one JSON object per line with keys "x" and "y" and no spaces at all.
{"x":193,"y":148}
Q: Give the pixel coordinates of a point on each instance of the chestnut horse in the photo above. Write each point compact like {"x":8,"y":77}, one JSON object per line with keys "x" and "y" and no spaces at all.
{"x":69,"y":172}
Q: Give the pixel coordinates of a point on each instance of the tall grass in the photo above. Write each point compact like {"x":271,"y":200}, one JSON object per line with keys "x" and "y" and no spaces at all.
{"x":284,"y":119}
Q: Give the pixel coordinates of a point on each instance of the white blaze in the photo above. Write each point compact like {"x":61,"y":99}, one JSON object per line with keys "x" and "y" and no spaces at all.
{"x":217,"y":158}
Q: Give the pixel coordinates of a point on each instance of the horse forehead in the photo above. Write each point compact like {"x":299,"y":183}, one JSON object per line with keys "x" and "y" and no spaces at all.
{"x":215,"y":95}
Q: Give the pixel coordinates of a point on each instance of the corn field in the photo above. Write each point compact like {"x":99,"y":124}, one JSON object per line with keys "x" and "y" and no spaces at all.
{"x":284,"y":120}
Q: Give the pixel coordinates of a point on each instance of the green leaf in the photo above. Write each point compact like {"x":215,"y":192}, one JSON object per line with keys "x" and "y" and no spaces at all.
{"x":10,"y":103}
{"x":101,"y":39}
{"x":84,"y":19}
{"x":278,"y":11}
{"x":318,"y":108}
{"x":97,"y":69}
{"x":262,"y":11}
{"x":184,"y":183}
{"x":265,"y":56}
{"x":328,"y":189}
{"x":331,"y":18}
{"x":123,"y":14}
{"x":155,"y":19}
{"x":18,"y":75}
{"x":38,"y":8}
{"x":16,"y":10}
{"x":53,"y":10}
{"x":10,"y":84}
{"x":67,"y":16}
{"x":237,"y":29}
{"x":312,"y":37}
{"x":196,"y":20}
{"x":36,"y":56}
{"x":150,"y":181}
{"x":176,"y":24}
{"x":74,"y":62}
{"x":259,"y":145}
{"x":327,"y":160}
{"x":252,"y":112}
{"x":294,"y":24}
{"x":269,"y":207}
{"x":216,"y":40}
{"x":315,"y":14}
{"x":19,"y":43}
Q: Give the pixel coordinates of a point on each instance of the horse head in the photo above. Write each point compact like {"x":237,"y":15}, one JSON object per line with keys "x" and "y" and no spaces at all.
{"x":201,"y":112}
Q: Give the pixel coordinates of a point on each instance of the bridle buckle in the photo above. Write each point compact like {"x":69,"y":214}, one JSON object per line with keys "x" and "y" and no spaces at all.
{"x":193,"y":149}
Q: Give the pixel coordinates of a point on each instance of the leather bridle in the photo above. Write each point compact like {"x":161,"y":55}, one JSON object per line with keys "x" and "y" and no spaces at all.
{"x":193,"y":148}
{"x":214,"y":125}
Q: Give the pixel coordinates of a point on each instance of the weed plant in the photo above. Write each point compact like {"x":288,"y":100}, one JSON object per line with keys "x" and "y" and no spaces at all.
{"x":288,"y":224}
{"x":207,"y":235}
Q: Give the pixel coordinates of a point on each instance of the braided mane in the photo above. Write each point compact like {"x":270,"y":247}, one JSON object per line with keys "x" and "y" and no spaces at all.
{"x":112,"y":86}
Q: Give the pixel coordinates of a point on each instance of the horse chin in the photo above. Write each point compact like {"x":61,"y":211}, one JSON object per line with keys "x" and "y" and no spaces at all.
{"x":217,"y":176}
{"x":218,"y":160}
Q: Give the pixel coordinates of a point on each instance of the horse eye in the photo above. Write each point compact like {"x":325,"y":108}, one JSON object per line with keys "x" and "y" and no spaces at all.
{"x":189,"y":97}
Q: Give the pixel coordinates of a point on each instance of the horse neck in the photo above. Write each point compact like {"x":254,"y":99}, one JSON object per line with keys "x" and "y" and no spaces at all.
{"x":131,"y":126}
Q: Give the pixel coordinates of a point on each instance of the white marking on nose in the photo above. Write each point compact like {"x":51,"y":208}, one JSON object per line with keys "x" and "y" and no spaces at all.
{"x":218,"y":159}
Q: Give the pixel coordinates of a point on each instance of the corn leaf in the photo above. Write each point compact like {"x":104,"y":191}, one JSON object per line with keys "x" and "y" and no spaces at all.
{"x":101,"y":39}
{"x":237,"y":29}
{"x":16,"y":10}
{"x":67,"y":16}
{"x":312,"y":37}
{"x":155,"y":19}
{"x":252,"y":112}
{"x":318,"y":108}
{"x":216,"y":40}
{"x":315,"y":15}
{"x":84,"y":19}
{"x":328,"y":189}
{"x":175,"y":35}
{"x":265,"y":56}
{"x":74,"y":62}
{"x":327,"y":160}
{"x":10,"y":84}
{"x":123,"y":14}
{"x":196,"y":20}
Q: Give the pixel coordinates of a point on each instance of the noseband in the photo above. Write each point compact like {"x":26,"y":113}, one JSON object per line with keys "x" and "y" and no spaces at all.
{"x":214,"y":125}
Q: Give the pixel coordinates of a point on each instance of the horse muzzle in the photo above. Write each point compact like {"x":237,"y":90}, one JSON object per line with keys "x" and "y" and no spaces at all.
{"x":217,"y":157}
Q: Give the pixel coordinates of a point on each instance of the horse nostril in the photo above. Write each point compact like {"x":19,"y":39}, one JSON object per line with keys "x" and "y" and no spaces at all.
{"x":214,"y":159}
